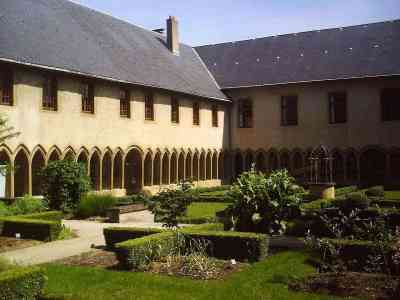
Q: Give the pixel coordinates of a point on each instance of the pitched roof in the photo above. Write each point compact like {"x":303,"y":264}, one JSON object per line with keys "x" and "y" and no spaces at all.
{"x":340,"y":53}
{"x":67,"y":36}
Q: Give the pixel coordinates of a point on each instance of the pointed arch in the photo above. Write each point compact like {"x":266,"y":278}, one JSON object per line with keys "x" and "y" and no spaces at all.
{"x":95,"y":169}
{"x":238,"y":163}
{"x":196,"y":166}
{"x":157,"y":168}
{"x":5,"y":162}
{"x":188,"y":165}
{"x":297,"y":164}
{"x":21,"y":177}
{"x":248,"y":160}
{"x":284,"y":159}
{"x":148,"y":168}
{"x":338,"y":163}
{"x":215,"y":168}
{"x":173,"y":167}
{"x":165,"y":168}
{"x":181,"y":166}
{"x":69,"y":153}
{"x":372,"y":165}
{"x":133,"y":170}
{"x":38,"y":163}
{"x":272,"y":160}
{"x":261,"y":162}
{"x":54,"y":154}
{"x":83,"y":158}
{"x":202,"y":165}
{"x":106,"y":169}
{"x":117,"y":169}
{"x":208,"y":165}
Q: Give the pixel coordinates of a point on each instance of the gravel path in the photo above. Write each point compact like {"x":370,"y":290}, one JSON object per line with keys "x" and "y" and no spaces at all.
{"x":90,"y":233}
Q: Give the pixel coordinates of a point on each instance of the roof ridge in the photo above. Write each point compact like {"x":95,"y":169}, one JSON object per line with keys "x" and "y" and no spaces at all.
{"x":300,"y":32}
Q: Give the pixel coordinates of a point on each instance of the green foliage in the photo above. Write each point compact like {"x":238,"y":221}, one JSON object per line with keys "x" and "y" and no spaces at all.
{"x":342,"y":191}
{"x":42,"y":226}
{"x":375,"y":191}
{"x":66,"y":233}
{"x":171,"y":204}
{"x":115,"y":235}
{"x":264,"y":203}
{"x":4,"y":210}
{"x":22,"y":283}
{"x":356,"y":200}
{"x":202,"y":212}
{"x":28,"y":205}
{"x":95,"y":205}
{"x":5,"y":265}
{"x":6,"y":132}
{"x":64,"y":182}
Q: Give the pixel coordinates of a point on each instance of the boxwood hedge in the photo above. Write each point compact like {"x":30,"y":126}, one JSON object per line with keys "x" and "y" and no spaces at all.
{"x":115,"y":235}
{"x":22,"y":283}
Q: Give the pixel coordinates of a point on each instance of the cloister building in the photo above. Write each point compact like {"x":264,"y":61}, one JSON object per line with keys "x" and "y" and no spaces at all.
{"x":142,"y":110}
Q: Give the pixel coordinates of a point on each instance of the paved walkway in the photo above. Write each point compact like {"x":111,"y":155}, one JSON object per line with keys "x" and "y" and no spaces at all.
{"x":90,"y":233}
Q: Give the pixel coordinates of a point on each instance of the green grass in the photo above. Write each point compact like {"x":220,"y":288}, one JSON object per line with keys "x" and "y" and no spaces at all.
{"x":392,"y":195}
{"x":214,"y":193}
{"x":202,"y":212}
{"x":265,"y":280}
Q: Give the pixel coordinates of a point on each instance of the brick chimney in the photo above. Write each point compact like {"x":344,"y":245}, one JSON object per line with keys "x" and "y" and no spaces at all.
{"x":173,"y":35}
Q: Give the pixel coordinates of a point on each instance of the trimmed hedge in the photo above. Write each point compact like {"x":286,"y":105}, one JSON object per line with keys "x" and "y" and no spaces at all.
{"x":115,"y":235}
{"x":229,"y":244}
{"x":139,"y":252}
{"x":26,"y":283}
{"x":41,"y":226}
{"x":375,"y":191}
{"x":346,"y":190}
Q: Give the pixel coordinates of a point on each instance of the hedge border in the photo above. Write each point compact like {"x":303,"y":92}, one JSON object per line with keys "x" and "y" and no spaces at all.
{"x":22,"y":283}
{"x":115,"y":235}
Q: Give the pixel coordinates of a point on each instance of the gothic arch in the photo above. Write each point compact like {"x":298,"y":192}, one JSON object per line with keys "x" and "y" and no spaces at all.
{"x":273,"y":162}
{"x":69,"y":153}
{"x":196,"y":166}
{"x":106,"y":169}
{"x":215,"y":165}
{"x":83,"y":158}
{"x":133,"y":170}
{"x":148,"y":168}
{"x":38,"y":163}
{"x":21,"y":175}
{"x":5,"y":161}
{"x":95,"y":169}
{"x":209,"y":165}
{"x":284,"y":159}
{"x":181,"y":166}
{"x":202,"y":165}
{"x":188,"y":165}
{"x":54,"y":154}
{"x":165,"y":168}
{"x":157,"y":168}
{"x":248,"y":159}
{"x":118,"y":168}
{"x":372,"y":165}
{"x":260,"y":160}
{"x":338,"y":165}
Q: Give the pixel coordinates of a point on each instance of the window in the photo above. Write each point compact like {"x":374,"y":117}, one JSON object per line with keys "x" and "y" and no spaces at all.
{"x":245,"y":109}
{"x":6,"y":87}
{"x":196,"y":113}
{"x":337,"y":107}
{"x":174,"y":110}
{"x":50,"y":93}
{"x":149,"y":107}
{"x":289,"y":111}
{"x":124,"y":103}
{"x":214,"y":112}
{"x":390,"y":104}
{"x":87,"y":91}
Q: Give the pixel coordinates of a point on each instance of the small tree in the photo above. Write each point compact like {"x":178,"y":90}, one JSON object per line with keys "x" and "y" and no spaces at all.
{"x":170,"y":204}
{"x":63,"y":183}
{"x":6,"y":132}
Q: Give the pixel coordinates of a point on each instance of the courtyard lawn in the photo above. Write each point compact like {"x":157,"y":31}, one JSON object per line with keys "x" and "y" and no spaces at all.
{"x":202,"y":212}
{"x":263,"y":280}
{"x":392,"y":195}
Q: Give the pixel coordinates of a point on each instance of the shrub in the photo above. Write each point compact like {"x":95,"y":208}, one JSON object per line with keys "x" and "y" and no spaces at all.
{"x":353,"y":201}
{"x":114,"y":235}
{"x":95,"y":205}
{"x":64,"y":182}
{"x":4,"y":210}
{"x":137,"y":253}
{"x":375,"y":191}
{"x":43,"y":227}
{"x":28,"y":205}
{"x":171,"y":204}
{"x":22,"y":283}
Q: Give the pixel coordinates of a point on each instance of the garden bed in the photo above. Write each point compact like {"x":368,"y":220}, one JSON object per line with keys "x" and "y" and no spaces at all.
{"x":363,"y":285}
{"x":10,"y":244}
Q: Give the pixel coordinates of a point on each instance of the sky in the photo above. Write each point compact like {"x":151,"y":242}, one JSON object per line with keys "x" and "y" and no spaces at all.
{"x":204,"y":22}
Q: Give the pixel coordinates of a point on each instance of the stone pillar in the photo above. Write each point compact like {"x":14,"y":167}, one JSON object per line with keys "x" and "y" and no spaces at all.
{"x":30,"y":177}
{"x":112,"y":173}
{"x":12,"y":180}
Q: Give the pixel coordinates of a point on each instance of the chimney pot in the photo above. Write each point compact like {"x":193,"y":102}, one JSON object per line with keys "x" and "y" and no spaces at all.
{"x":173,"y":35}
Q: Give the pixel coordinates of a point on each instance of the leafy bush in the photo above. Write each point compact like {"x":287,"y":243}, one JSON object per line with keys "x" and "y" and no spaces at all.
{"x":44,"y":227}
{"x":64,"y":182}
{"x":4,"y":210}
{"x":95,"y":205}
{"x":22,"y":283}
{"x":28,"y":205}
{"x":375,"y":191}
{"x":263,"y":204}
{"x":171,"y":204}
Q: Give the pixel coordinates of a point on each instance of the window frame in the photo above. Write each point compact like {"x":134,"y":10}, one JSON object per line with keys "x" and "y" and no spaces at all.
{"x":388,"y":112}
{"x":196,"y":113}
{"x":285,"y":110}
{"x":245,"y":113}
{"x":125,"y":103}
{"x":332,"y":107}
{"x":88,"y":101}
{"x":175,"y":116}
{"x":50,"y":93}
{"x":149,"y":107}
{"x":7,"y":87}
{"x":214,"y":115}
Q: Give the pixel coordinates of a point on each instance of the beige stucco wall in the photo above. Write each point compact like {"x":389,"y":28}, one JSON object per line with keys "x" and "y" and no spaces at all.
{"x":70,"y":127}
{"x":364,"y":126}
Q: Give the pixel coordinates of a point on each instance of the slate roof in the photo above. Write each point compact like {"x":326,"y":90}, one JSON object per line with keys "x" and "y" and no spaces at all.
{"x":67,"y":36}
{"x":340,"y":53}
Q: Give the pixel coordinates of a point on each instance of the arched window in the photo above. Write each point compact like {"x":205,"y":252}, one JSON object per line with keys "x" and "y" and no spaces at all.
{"x":133,"y":171}
{"x":21,"y":181}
